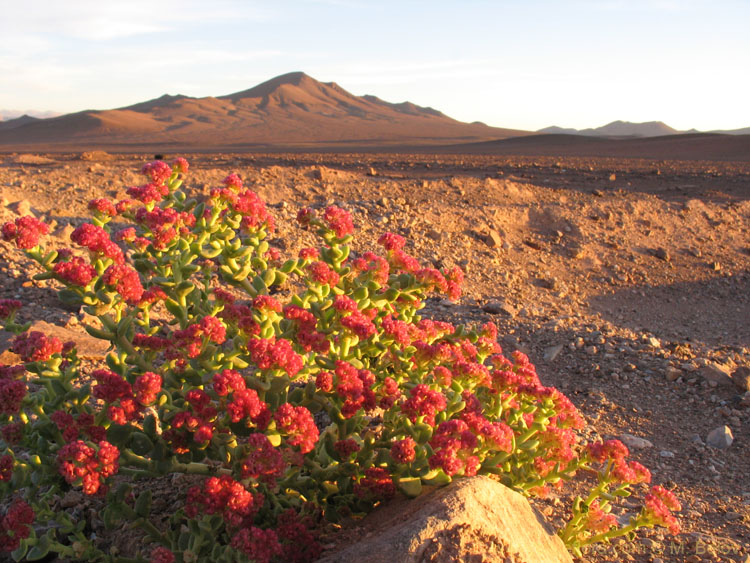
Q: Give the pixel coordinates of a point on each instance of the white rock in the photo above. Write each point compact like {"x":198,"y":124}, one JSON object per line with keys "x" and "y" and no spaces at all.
{"x":634,"y":442}
{"x":720,"y":437}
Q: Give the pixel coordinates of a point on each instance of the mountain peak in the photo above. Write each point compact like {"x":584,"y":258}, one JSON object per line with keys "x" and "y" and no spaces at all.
{"x":296,"y":79}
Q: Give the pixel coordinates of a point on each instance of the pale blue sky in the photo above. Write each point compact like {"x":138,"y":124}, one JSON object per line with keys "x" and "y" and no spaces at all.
{"x":514,"y":63}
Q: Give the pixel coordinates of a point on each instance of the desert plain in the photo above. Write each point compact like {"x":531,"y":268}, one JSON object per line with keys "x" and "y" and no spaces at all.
{"x":625,"y":280}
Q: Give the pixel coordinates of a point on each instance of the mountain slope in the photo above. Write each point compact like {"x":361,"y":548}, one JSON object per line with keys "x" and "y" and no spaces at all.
{"x":292,"y":110}
{"x":618,"y":129}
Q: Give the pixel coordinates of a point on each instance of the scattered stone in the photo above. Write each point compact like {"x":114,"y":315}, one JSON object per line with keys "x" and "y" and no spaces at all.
{"x":499,"y":308}
{"x":634,"y":442}
{"x":21,"y":208}
{"x":552,"y":352}
{"x":661,"y":254}
{"x":666,"y":453}
{"x":434,"y":234}
{"x":730,"y":516}
{"x":372,"y":172}
{"x":715,"y":266}
{"x":741,"y":378}
{"x":716,"y":373}
{"x":653,"y":342}
{"x":473,"y":518}
{"x":672,"y":373}
{"x":612,"y":177}
{"x":720,"y":438}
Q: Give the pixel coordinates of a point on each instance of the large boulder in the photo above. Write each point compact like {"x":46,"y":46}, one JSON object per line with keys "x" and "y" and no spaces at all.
{"x":472,"y":519}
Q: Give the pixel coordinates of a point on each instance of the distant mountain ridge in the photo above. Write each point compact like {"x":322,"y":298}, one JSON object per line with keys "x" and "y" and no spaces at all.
{"x":630,"y":129}
{"x":291,"y":110}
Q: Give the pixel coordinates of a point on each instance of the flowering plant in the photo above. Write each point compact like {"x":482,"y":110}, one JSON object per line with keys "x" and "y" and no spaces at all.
{"x":283,"y":393}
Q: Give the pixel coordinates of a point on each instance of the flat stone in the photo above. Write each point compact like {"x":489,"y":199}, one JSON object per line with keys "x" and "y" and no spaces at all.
{"x":720,"y":438}
{"x":552,"y":352}
{"x":672,"y":373}
{"x":472,"y":519}
{"x":634,"y":442}
{"x":741,"y":378}
{"x":499,"y":308}
{"x":717,"y":373}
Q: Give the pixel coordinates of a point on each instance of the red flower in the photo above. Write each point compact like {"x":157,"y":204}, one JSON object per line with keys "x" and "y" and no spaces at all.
{"x":75,"y":271}
{"x":97,"y":241}
{"x":377,"y":483}
{"x":180,"y":165}
{"x":147,"y":387}
{"x":158,"y":172}
{"x":9,"y":307}
{"x":15,"y":525}
{"x":161,"y":555}
{"x":12,"y":394}
{"x":233,"y":180}
{"x":345,"y":448}
{"x":260,"y":546}
{"x":80,"y":461}
{"x":263,"y":462}
{"x":391,"y":241}
{"x":25,"y":231}
{"x":126,"y":282}
{"x":298,"y":424}
{"x":6,"y":468}
{"x":36,"y":347}
{"x":275,"y":354}
{"x":322,"y":273}
{"x":103,"y":206}
{"x":403,"y":451}
{"x":423,"y":402}
{"x":339,"y":221}
{"x":659,"y":505}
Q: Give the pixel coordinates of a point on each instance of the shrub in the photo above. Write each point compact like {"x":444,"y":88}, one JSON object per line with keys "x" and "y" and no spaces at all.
{"x":291,"y":391}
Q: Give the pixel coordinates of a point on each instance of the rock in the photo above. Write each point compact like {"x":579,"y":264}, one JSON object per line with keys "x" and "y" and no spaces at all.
{"x":717,"y":373}
{"x":492,"y":239}
{"x":720,"y":437}
{"x":741,"y":378}
{"x":672,"y":373}
{"x":661,"y":254}
{"x":372,"y":172}
{"x":434,"y":234}
{"x":745,"y":401}
{"x":612,"y":177}
{"x":474,"y":518}
{"x":552,"y":352}
{"x":634,"y":442}
{"x":666,"y":453}
{"x":21,"y":208}
{"x":499,"y":308}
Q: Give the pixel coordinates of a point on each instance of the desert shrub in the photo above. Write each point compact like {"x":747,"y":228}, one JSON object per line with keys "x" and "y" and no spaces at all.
{"x":291,"y":392}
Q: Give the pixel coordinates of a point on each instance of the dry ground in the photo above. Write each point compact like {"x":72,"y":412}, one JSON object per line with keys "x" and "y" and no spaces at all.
{"x":626,"y":281}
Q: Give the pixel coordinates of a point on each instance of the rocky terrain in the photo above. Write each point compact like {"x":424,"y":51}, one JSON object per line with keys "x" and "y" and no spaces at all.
{"x":626,"y":281}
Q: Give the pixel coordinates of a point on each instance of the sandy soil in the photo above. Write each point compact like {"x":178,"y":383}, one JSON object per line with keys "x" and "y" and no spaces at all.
{"x":626,"y":281}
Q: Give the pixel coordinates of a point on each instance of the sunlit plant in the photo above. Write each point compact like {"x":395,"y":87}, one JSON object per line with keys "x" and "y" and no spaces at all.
{"x":292,"y":393}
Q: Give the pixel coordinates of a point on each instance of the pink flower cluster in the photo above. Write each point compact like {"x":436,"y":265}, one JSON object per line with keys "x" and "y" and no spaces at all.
{"x":339,"y":221}
{"x":272,"y":353}
{"x":322,"y":273}
{"x":245,"y":403}
{"x":424,"y":403}
{"x":158,"y":172}
{"x":225,"y":496}
{"x":659,"y":505}
{"x":75,"y":271}
{"x":404,"y":451}
{"x":35,"y":346}
{"x":454,"y":444}
{"x":9,"y":307}
{"x":125,"y":281}
{"x":92,"y":466}
{"x":16,"y":525}
{"x":12,"y":394}
{"x":124,"y":405}
{"x":355,"y":387}
{"x":6,"y":468}
{"x":103,"y":206}
{"x":25,"y":231}
{"x":72,"y":428}
{"x":263,"y":462}
{"x":97,"y":241}
{"x":307,"y":336}
{"x":161,"y":555}
{"x":377,"y":483}
{"x":260,"y":546}
{"x":192,"y":339}
{"x":614,"y":452}
{"x":298,"y":425}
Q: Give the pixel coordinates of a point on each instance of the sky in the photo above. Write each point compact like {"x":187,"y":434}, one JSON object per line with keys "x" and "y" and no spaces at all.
{"x":522,"y":64}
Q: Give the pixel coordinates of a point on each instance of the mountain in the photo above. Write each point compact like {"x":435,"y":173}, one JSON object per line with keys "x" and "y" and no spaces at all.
{"x":618,"y":129}
{"x":289,"y":111}
{"x":8,"y":114}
